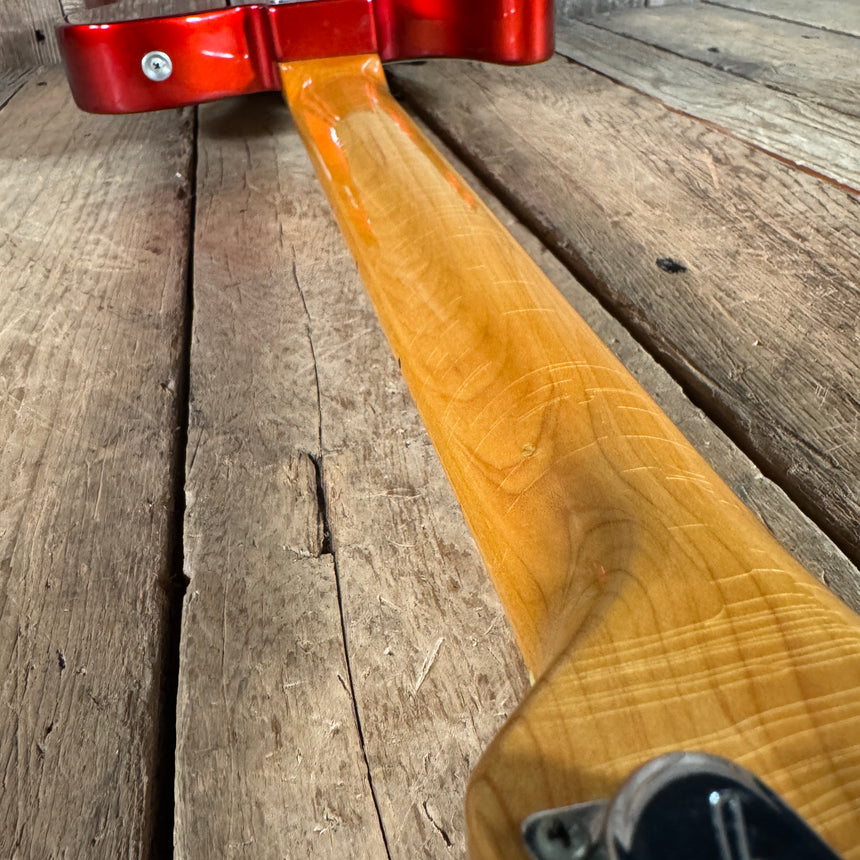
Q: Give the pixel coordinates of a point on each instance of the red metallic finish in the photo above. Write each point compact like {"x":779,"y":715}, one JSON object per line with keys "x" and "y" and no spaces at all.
{"x":495,"y":31}
{"x":224,"y":52}
{"x":324,"y":28}
{"x":235,"y":51}
{"x":214,"y":54}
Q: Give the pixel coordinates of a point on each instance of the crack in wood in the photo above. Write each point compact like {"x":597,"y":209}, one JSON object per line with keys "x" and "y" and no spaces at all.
{"x":322,"y":509}
{"x":327,"y":548}
{"x":322,"y":512}
{"x":349,"y":686}
{"x":441,"y":830}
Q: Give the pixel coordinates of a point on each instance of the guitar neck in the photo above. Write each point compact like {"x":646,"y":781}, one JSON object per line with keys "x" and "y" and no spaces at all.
{"x":655,"y":612}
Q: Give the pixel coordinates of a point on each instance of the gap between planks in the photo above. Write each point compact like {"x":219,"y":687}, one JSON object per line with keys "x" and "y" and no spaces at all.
{"x":838,"y":16}
{"x":178,"y":585}
{"x":814,"y":137}
{"x":795,"y":59}
{"x":10,"y":82}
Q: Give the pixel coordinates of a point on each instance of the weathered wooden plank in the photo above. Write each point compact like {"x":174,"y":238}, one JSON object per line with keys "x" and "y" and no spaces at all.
{"x":77,"y":11}
{"x":840,"y":15}
{"x":11,"y":81}
{"x":587,"y":8}
{"x":27,"y":27}
{"x":27,"y":33}
{"x":94,"y":220}
{"x":803,"y":61}
{"x":807,"y":134}
{"x":269,"y":757}
{"x":430,"y":655}
{"x":435,"y":665}
{"x":760,"y":326}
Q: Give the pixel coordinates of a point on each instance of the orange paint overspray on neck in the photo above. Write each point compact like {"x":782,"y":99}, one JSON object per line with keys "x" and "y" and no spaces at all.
{"x":324,"y":95}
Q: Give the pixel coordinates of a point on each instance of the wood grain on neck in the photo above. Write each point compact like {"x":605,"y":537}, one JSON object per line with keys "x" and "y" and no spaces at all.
{"x":655,"y":611}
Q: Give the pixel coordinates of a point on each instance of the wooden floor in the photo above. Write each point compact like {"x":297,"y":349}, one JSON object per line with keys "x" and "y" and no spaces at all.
{"x":240,"y":612}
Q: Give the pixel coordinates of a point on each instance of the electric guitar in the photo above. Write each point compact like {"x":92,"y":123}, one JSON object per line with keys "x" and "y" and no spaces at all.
{"x":695,"y":690}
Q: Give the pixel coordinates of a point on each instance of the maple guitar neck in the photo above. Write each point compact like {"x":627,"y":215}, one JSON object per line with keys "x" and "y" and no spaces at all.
{"x":653,"y":610}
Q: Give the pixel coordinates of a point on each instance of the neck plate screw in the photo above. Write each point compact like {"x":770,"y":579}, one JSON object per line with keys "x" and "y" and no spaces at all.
{"x":157,"y":66}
